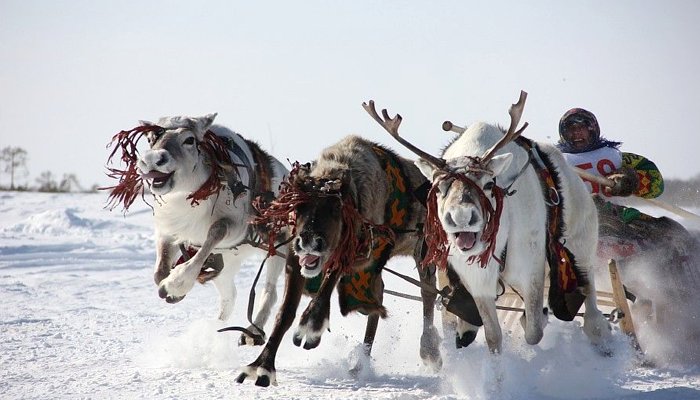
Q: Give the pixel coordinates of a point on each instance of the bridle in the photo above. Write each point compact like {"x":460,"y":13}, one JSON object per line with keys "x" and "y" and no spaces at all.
{"x":130,"y":182}
{"x":282,"y":213}
{"x":438,"y":245}
{"x":436,"y":238}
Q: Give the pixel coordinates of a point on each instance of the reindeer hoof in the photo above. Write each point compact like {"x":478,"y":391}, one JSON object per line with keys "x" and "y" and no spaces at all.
{"x":173,"y":300}
{"x":359,"y":369}
{"x":466,"y":339}
{"x":246,"y":340}
{"x":430,"y":348}
{"x":241,"y":377}
{"x":168,"y":298}
{"x":263,"y":381}
{"x":311,"y":344}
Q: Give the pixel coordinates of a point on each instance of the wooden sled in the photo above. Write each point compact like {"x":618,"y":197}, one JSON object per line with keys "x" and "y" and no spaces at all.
{"x":510,"y":306}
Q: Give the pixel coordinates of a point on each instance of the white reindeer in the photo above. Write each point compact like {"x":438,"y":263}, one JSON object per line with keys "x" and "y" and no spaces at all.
{"x":490,"y":204}
{"x":203,"y":178}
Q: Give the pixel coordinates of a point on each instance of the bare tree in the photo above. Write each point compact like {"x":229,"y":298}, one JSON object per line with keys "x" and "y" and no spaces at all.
{"x":69,"y":183}
{"x":15,"y":163}
{"x":46,"y":182}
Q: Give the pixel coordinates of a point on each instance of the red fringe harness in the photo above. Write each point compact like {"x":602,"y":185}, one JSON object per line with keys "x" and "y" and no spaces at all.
{"x":357,"y":232}
{"x":130,"y":183}
{"x":436,"y":237}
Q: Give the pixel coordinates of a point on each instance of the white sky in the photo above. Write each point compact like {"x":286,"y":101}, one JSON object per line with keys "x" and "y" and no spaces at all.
{"x":293,"y":75}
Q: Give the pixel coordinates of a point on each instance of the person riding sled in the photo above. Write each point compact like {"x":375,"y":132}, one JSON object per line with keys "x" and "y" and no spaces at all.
{"x":625,"y":232}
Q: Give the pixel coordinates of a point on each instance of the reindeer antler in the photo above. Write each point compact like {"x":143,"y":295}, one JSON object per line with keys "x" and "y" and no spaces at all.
{"x":448,"y":126}
{"x":515,"y":111}
{"x":392,"y":126}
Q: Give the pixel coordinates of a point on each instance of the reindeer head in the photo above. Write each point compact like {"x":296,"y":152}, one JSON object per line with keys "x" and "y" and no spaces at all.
{"x":324,"y":227}
{"x":173,"y":161}
{"x":468,"y":193}
{"x":465,"y":201}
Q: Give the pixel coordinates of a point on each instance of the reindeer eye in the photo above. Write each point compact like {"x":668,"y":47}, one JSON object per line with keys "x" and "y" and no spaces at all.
{"x":488,"y":185}
{"x":189,"y":140}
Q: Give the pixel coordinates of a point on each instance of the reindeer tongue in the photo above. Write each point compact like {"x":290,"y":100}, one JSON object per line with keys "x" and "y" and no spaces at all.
{"x":465,"y":240}
{"x":154,"y":174}
{"x":308,"y":260}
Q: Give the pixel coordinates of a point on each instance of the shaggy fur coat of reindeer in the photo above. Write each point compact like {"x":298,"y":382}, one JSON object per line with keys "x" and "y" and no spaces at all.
{"x":344,"y":210}
{"x":522,"y":230}
{"x":203,"y":178}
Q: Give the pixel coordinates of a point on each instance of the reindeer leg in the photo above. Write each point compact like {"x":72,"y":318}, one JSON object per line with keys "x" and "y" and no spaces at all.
{"x":492,"y":329}
{"x":534,"y":319}
{"x":465,"y":333}
{"x":225,"y":285}
{"x":531,"y":287}
{"x":166,"y":255}
{"x":595,"y":326}
{"x":370,"y":332}
{"x":183,"y":276}
{"x":314,"y":320}
{"x":430,"y":339}
{"x":263,"y":368}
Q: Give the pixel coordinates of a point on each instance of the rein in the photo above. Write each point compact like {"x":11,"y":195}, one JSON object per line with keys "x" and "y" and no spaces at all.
{"x":258,"y":337}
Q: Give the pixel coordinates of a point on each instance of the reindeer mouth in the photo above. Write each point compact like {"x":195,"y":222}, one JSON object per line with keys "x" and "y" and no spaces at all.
{"x":465,"y":240}
{"x":158,"y":179}
{"x":310,"y":261}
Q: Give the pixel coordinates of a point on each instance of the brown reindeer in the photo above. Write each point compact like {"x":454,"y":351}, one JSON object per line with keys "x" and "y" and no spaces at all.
{"x":351,"y":210}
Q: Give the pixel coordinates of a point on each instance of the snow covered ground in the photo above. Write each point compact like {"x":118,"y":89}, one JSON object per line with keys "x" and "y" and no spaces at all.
{"x":81,"y":318}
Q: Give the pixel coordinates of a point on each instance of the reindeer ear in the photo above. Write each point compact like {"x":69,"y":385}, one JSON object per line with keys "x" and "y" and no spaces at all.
{"x":426,"y":168}
{"x":201,"y":125}
{"x":144,"y":123}
{"x":208,"y":119}
{"x":500,"y":163}
{"x":301,"y":175}
{"x":205,"y":122}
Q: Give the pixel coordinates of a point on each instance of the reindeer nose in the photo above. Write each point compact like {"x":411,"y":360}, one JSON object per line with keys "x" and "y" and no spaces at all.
{"x":449,"y":220}
{"x":473,"y":217}
{"x":310,"y":241}
{"x":155,"y":158}
{"x":162,"y":160}
{"x":319,"y":244}
{"x":461,"y":218}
